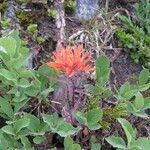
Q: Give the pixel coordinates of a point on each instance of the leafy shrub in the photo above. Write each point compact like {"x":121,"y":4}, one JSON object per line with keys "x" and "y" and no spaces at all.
{"x":20,"y":86}
{"x":135,"y":36}
{"x":132,"y":142}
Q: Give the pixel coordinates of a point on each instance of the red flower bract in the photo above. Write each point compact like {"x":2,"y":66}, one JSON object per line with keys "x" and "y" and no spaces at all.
{"x":71,"y":61}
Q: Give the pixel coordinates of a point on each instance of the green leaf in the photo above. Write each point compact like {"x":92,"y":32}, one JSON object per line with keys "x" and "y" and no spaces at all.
{"x":129,"y":131}
{"x":80,"y":117}
{"x":58,"y":125}
{"x":102,"y":69}
{"x":21,"y":123}
{"x":139,"y":101}
{"x":9,"y":45}
{"x":94,"y":115}
{"x":8,"y":129}
{"x":34,"y":124}
{"x":19,"y":105}
{"x":52,"y":120}
{"x":26,"y":143}
{"x":107,"y":93}
{"x":146,"y":103}
{"x":15,"y":35}
{"x":6,"y":108}
{"x":19,"y":98}
{"x":76,"y":147}
{"x":38,"y":139}
{"x":96,"y":146}
{"x":116,"y":142}
{"x":95,"y":126}
{"x":68,"y":142}
{"x":33,"y":90}
{"x":3,"y":142}
{"x":8,"y":75}
{"x":24,"y":83}
{"x":125,"y":88}
{"x":66,"y":129}
{"x":92,"y":89}
{"x":144,"y":76}
{"x":47,"y":91}
{"x":141,"y":113}
{"x":143,"y":143}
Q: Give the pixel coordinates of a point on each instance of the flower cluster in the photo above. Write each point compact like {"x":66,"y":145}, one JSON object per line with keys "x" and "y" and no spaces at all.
{"x":71,"y":60}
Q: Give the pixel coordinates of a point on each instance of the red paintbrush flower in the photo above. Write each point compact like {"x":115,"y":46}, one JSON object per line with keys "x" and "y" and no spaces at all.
{"x":71,"y":61}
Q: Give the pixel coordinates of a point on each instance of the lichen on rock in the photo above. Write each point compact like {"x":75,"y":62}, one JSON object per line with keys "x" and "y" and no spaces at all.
{"x":86,"y":9}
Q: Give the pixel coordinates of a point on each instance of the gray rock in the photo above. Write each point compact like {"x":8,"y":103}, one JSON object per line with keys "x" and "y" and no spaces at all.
{"x":86,"y":9}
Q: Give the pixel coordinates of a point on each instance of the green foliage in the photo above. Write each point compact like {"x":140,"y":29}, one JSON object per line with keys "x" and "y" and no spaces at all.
{"x":21,"y":85}
{"x":58,"y":125}
{"x":52,"y":12}
{"x":69,"y":145}
{"x":134,"y":36}
{"x":94,"y":144}
{"x":129,"y":97}
{"x":40,"y":39}
{"x":90,"y":119}
{"x":5,"y":24}
{"x":24,"y":1}
{"x":3,"y":5}
{"x":25,"y":18}
{"x":70,"y":5}
{"x":132,"y":96}
{"x":132,"y":142}
{"x":32,"y":28}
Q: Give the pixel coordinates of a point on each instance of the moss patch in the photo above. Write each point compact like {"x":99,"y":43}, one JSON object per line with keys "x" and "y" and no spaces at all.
{"x":3,"y":6}
{"x":25,"y":18}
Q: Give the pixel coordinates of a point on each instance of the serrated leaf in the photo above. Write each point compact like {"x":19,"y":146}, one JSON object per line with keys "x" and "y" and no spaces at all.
{"x":144,"y":76}
{"x":116,"y":142}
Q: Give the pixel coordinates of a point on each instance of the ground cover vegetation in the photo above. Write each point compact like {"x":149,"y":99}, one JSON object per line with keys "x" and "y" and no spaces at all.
{"x":72,"y":84}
